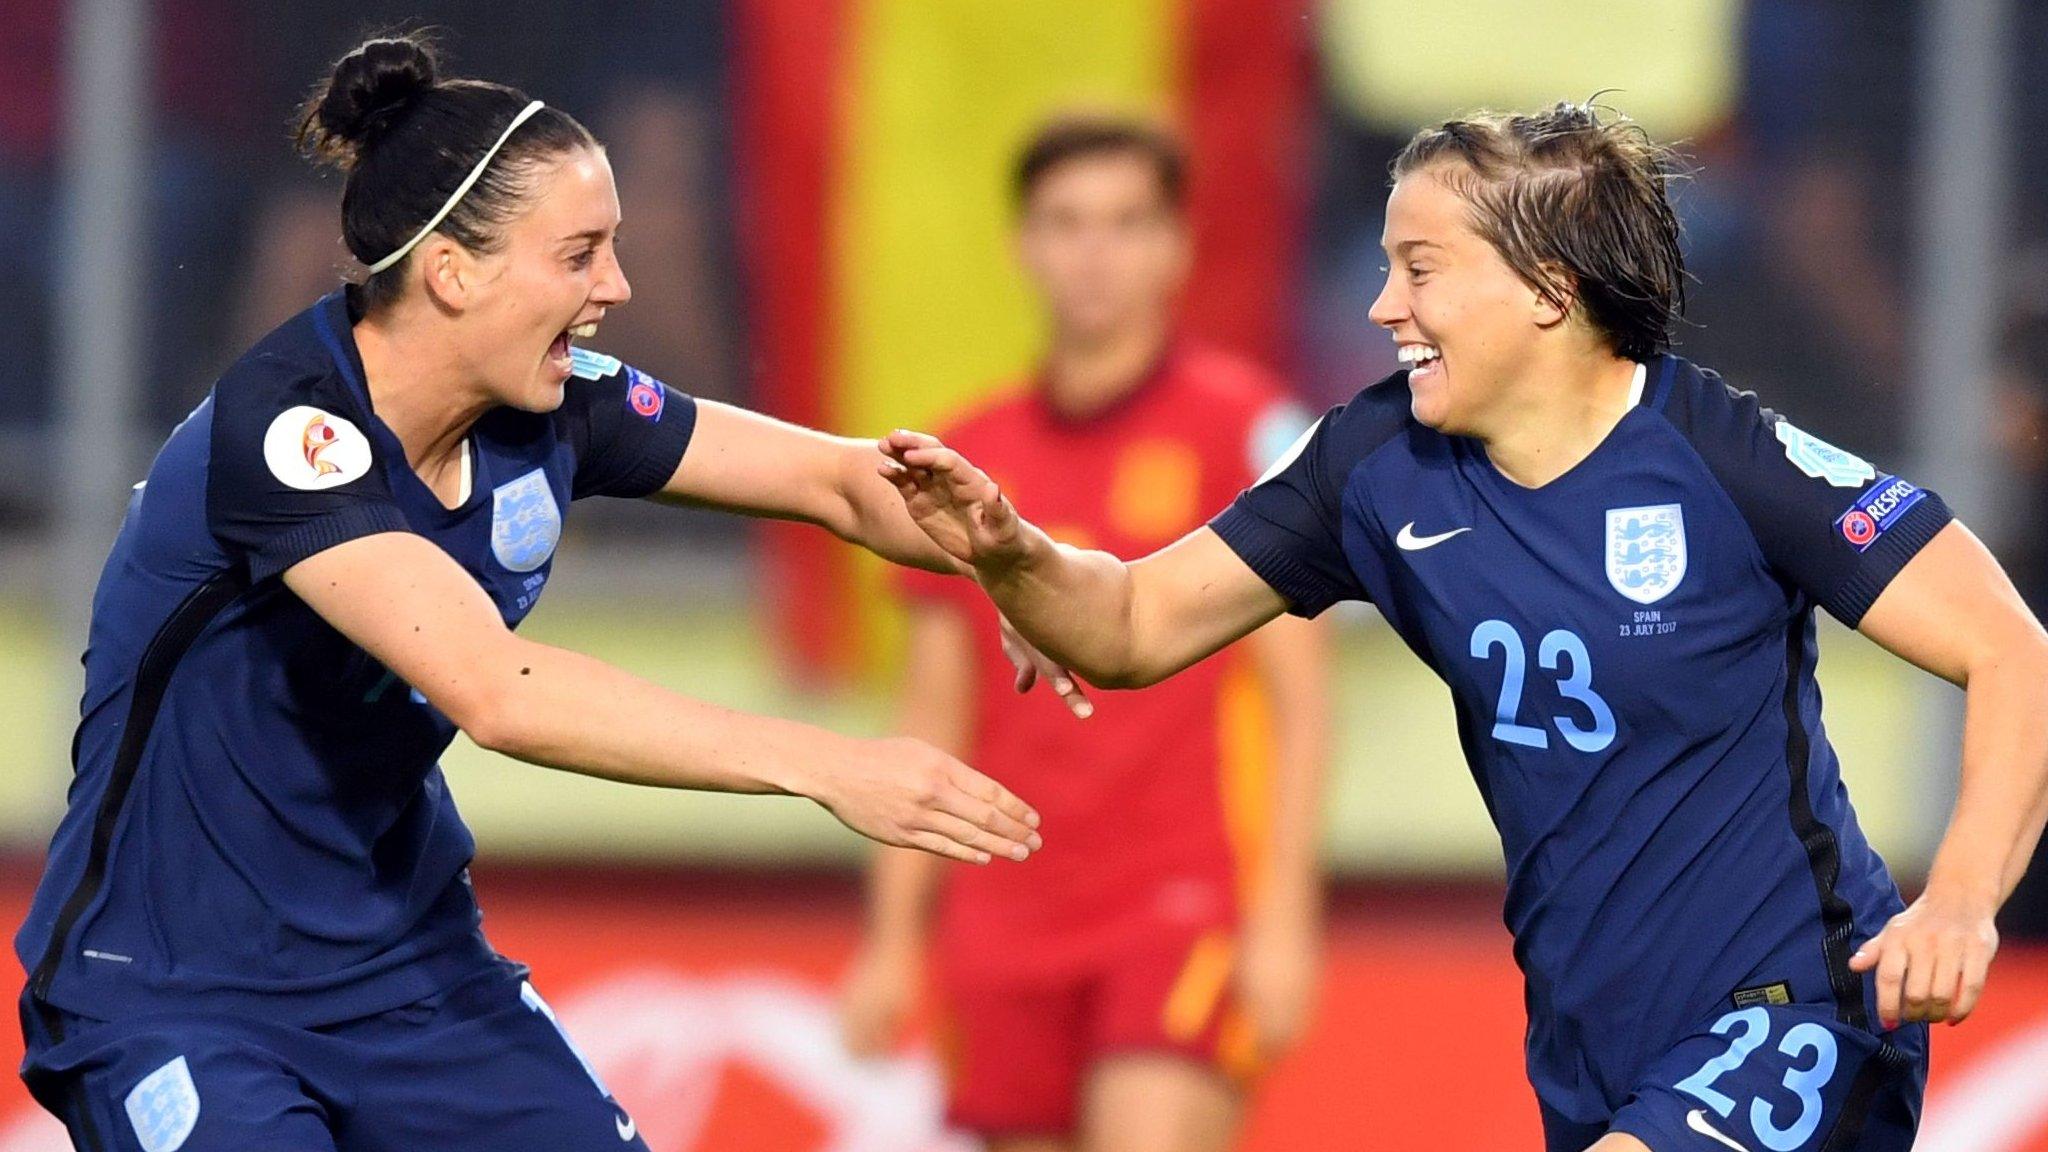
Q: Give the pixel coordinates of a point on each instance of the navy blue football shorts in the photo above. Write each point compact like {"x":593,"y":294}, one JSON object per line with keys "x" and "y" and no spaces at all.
{"x":480,"y":1066}
{"x":1772,"y":1078}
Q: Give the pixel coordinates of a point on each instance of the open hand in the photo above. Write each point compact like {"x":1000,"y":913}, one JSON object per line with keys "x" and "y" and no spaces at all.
{"x":907,"y":793}
{"x":956,"y":504}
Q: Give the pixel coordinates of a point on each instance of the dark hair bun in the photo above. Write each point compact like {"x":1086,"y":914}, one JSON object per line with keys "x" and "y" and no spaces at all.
{"x":370,"y":89}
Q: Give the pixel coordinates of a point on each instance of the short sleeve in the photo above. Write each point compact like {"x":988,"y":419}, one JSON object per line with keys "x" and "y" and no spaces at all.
{"x":290,"y":473}
{"x":1828,"y":522}
{"x":1288,"y":526}
{"x":629,"y":430}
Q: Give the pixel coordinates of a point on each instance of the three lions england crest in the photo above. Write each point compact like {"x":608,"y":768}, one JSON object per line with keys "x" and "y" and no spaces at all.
{"x":526,"y":523}
{"x":1646,"y":551}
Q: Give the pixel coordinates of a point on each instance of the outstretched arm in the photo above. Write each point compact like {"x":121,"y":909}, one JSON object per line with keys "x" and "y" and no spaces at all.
{"x":742,"y":461}
{"x":745,"y":462}
{"x":406,"y":602}
{"x":1953,"y":612}
{"x":1116,"y":624}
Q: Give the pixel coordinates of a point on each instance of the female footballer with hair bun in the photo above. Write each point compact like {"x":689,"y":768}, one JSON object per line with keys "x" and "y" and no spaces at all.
{"x":1613,"y":559}
{"x":255,"y":929}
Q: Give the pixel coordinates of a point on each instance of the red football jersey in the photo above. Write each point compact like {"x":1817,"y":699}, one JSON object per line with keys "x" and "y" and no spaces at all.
{"x":1151,"y":808}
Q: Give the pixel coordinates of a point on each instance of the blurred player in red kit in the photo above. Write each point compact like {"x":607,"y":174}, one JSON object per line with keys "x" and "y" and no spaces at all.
{"x":1121,"y":993}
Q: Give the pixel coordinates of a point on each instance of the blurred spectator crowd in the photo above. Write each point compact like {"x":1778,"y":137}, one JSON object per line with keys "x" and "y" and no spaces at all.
{"x":1799,"y":118}
{"x":1800,"y":126}
{"x":239,"y":234}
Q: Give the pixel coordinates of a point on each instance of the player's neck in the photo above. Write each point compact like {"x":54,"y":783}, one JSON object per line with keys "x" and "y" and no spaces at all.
{"x":415,"y":387}
{"x":1084,"y":375}
{"x":1557,"y":416}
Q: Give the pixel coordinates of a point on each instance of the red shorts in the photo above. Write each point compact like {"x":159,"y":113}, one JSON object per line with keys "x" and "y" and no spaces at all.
{"x":1016,"y":1046}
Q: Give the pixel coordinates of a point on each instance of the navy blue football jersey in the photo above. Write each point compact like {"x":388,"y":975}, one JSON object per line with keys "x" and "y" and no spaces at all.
{"x":256,"y":820}
{"x":1630,"y":650}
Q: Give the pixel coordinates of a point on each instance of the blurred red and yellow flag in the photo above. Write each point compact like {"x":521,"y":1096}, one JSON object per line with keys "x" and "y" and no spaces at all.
{"x":875,"y":143}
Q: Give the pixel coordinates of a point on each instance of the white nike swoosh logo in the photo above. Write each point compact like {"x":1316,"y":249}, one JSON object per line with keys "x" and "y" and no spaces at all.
{"x":1410,"y":542}
{"x":1697,"y":1121}
{"x":628,"y":1127}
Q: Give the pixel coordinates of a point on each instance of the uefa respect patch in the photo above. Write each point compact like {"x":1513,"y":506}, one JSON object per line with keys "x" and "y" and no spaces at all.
{"x":645,"y":394}
{"x":1882,"y":505}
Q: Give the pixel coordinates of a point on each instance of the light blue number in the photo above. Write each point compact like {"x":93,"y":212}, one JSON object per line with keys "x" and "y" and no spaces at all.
{"x":1807,"y":1083}
{"x":1580,"y":688}
{"x":1576,"y":686}
{"x":1756,"y":1028}
{"x":1484,"y":637}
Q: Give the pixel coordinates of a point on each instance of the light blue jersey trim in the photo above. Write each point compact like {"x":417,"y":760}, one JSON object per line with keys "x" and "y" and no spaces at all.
{"x":592,"y":365}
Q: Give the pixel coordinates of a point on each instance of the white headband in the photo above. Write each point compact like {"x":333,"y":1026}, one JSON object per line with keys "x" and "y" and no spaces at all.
{"x":461,"y":190}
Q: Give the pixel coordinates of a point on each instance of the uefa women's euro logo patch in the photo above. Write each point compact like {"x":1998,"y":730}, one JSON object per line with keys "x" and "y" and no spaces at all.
{"x":312,"y":450}
{"x":526,"y":523}
{"x":1646,"y":551}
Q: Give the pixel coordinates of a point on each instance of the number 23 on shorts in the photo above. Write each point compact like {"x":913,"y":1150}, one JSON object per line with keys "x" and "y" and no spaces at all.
{"x":1776,"y":1076}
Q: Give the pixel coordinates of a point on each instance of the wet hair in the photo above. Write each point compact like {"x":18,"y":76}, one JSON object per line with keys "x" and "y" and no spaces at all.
{"x":1080,"y":137}
{"x":406,"y":138}
{"x":1577,"y":206}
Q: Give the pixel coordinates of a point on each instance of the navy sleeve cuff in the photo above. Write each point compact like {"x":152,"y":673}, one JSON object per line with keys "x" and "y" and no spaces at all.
{"x":320,"y":534}
{"x":1254,"y":541}
{"x":1886,"y":558}
{"x":661,"y":450}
